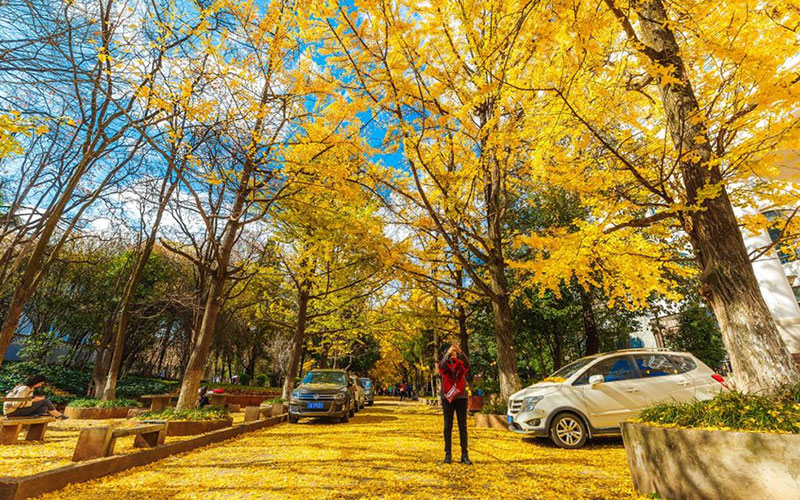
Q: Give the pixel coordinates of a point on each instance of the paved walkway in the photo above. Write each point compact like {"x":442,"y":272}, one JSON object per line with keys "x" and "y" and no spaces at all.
{"x":391,"y":450}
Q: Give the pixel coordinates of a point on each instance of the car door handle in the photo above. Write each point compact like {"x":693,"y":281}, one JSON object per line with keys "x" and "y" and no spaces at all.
{"x":631,"y":389}
{"x":683,"y":383}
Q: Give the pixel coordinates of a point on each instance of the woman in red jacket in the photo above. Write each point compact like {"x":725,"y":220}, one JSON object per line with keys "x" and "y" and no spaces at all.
{"x":454,"y":367}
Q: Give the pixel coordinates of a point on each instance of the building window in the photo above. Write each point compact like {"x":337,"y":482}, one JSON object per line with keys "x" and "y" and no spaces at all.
{"x":785,"y":253}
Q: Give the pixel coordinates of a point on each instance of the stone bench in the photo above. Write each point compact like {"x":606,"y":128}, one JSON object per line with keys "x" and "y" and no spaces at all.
{"x":11,"y":427}
{"x":158,"y":401}
{"x":217,"y":399}
{"x":253,"y":413}
{"x":98,"y":442}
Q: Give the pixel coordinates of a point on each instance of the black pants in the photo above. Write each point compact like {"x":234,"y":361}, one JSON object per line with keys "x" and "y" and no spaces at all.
{"x":36,"y":409}
{"x":459,"y":407}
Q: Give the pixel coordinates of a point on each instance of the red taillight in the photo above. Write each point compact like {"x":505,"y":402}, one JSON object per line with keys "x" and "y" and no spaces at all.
{"x":719,"y":378}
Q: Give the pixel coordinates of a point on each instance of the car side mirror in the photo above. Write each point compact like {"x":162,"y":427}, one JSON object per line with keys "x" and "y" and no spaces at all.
{"x":596,"y":380}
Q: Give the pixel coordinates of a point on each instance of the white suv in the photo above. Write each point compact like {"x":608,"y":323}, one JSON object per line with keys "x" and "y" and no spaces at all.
{"x":591,"y":396}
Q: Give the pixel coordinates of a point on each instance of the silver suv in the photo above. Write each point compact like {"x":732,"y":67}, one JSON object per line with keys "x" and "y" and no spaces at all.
{"x":591,"y":396}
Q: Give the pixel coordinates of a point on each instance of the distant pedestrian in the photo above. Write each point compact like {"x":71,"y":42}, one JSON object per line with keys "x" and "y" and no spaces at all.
{"x":203,"y":397}
{"x":454,"y":367}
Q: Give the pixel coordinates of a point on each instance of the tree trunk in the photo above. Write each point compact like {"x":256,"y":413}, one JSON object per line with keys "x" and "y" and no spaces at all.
{"x":557,"y":349}
{"x":101,"y":360}
{"x":190,"y":385}
{"x":504,"y":332}
{"x":297,"y":342}
{"x":506,"y":357}
{"x":323,"y":357}
{"x":503,"y":324}
{"x":463,"y":336}
{"x":164,"y":346}
{"x":589,"y":323}
{"x":302,"y":361}
{"x":102,"y":357}
{"x":760,"y":359}
{"x":110,"y":391}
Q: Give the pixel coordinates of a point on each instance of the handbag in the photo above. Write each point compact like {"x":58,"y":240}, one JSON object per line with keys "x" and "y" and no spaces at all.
{"x":452,"y":394}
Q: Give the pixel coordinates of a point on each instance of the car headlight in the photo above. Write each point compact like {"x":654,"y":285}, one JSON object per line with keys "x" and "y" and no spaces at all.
{"x":529,"y":403}
{"x":340,"y":396}
{"x":295,"y":395}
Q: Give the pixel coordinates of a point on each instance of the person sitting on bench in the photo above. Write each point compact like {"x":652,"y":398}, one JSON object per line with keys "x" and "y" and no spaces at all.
{"x":38,"y":406}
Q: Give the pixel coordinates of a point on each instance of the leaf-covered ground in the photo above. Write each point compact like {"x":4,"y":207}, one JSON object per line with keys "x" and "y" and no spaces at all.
{"x":388,"y":451}
{"x":25,"y":458}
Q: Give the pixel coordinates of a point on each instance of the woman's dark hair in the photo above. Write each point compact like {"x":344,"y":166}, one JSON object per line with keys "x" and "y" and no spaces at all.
{"x":36,"y":379}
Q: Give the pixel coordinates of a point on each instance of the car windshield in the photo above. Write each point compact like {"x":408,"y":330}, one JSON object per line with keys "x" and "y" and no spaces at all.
{"x":337,"y":378}
{"x":366,"y":382}
{"x":572,"y":368}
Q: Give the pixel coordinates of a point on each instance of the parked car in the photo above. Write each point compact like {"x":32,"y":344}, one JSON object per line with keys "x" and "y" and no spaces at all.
{"x":361,"y":397}
{"x":323,"y":393}
{"x":593,"y":395}
{"x":369,"y":390}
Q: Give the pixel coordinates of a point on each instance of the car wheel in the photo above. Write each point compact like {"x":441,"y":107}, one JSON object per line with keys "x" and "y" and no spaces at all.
{"x":568,"y":431}
{"x":293,"y":420}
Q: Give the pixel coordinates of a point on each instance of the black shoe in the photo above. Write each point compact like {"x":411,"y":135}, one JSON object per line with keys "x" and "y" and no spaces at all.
{"x":465,"y":459}
{"x":448,"y":458}
{"x":62,"y":417}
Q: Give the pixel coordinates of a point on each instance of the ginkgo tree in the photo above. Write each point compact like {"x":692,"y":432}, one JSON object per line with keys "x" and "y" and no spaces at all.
{"x":331,"y":248}
{"x":662,"y":121}
{"x":261,"y":115}
{"x":428,"y":72}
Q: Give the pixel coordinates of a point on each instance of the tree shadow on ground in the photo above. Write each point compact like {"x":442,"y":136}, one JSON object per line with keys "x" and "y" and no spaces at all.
{"x":594,"y":443}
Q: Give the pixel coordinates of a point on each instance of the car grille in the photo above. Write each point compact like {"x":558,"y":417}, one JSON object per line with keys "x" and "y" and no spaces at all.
{"x":514,"y":406}
{"x":316,"y":397}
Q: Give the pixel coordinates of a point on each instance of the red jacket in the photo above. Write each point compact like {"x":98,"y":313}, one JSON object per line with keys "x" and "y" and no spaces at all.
{"x":454,"y":372}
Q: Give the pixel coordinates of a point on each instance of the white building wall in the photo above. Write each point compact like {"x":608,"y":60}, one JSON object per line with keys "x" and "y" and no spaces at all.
{"x":778,"y":294}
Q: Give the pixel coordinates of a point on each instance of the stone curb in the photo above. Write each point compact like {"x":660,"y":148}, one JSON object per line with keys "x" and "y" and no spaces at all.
{"x":17,"y":488}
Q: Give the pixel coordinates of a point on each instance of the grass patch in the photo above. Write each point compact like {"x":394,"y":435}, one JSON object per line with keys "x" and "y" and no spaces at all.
{"x":733,"y":411}
{"x":98,"y":403}
{"x":197,"y":415}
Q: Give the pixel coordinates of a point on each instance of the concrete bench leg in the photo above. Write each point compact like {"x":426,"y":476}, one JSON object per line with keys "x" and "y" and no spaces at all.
{"x":36,"y":432}
{"x":149,"y":439}
{"x":94,"y":442}
{"x":252,"y":413}
{"x":9,"y":433}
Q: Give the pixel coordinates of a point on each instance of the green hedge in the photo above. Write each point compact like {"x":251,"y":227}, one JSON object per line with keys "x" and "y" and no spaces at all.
{"x":734,"y":411}
{"x":245,"y":389}
{"x":200,"y":414}
{"x":497,"y":408}
{"x":133,"y":387}
{"x":97,"y":403}
{"x":66,"y":384}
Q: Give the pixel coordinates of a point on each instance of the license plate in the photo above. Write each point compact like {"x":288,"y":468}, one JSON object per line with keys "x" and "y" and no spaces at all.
{"x":509,"y":419}
{"x":315,"y":405}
